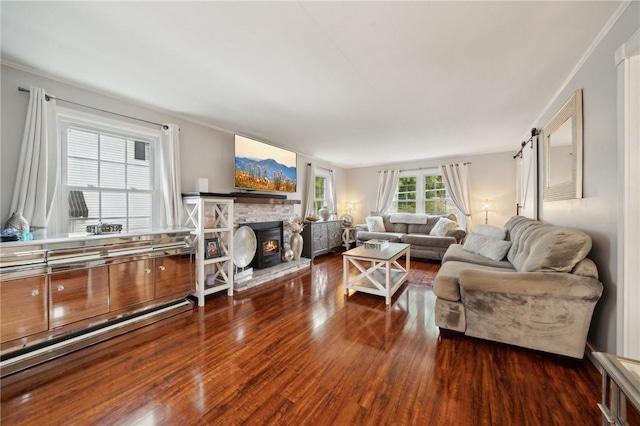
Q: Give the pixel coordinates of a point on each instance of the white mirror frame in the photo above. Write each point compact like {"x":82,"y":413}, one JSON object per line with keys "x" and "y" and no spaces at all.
{"x":571,"y":110}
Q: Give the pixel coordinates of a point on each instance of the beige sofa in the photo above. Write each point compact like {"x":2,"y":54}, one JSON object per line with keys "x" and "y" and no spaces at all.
{"x":541,"y":296}
{"x":414,"y":229}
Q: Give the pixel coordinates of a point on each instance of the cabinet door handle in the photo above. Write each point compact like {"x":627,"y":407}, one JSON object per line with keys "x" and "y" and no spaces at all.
{"x":35,"y":292}
{"x":147,"y":271}
{"x":161,"y":267}
{"x":60,"y":287}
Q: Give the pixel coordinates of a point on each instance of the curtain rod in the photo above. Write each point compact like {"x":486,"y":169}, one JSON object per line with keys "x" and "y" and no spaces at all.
{"x":49,"y":97}
{"x":423,"y":168}
{"x":534,"y":132}
{"x":320,"y":167}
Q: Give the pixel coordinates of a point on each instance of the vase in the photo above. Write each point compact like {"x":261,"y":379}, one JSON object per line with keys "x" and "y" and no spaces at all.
{"x":17,"y":222}
{"x":288,"y":255}
{"x":296,"y":242}
{"x":324,"y":213}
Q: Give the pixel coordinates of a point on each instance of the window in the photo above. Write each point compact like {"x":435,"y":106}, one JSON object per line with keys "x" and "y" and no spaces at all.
{"x":107,"y":176}
{"x":406,"y":195}
{"x":321,"y":192}
{"x":422,"y":193}
{"x":436,"y":198}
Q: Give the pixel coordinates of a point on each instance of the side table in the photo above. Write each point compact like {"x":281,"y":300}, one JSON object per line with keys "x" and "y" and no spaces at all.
{"x":348,"y":236}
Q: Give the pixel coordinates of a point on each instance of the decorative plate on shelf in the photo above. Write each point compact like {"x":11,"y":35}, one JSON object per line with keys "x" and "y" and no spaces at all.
{"x":244,"y":246}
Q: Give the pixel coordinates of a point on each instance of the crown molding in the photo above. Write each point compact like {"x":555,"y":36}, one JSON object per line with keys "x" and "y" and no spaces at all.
{"x":592,"y":47}
{"x":50,"y":76}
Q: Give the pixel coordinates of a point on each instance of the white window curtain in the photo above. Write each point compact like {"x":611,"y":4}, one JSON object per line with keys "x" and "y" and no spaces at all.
{"x":37,"y":177}
{"x":310,"y":190}
{"x":387,"y":187}
{"x":170,"y":203}
{"x":331,"y":194}
{"x":456,"y":180}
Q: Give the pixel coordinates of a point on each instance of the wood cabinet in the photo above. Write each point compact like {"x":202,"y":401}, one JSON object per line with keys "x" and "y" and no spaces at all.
{"x":321,"y":237}
{"x":24,"y":307}
{"x":77,"y":295}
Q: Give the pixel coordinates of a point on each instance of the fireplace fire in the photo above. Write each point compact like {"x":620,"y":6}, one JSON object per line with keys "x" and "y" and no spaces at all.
{"x":270,"y":246}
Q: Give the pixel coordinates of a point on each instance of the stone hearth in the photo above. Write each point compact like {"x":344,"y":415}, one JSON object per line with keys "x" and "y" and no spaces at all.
{"x":261,"y":276}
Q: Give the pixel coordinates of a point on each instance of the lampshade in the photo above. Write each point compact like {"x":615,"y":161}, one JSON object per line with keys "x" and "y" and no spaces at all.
{"x":488,"y":205}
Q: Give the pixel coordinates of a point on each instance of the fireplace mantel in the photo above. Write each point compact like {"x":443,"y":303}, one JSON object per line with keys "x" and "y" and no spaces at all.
{"x":248,"y":198}
{"x":252,"y":200}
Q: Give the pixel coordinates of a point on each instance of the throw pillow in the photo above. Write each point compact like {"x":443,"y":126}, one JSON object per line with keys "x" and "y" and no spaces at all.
{"x":375,"y":224}
{"x":486,"y":246}
{"x":491,"y":231}
{"x":443,"y":226}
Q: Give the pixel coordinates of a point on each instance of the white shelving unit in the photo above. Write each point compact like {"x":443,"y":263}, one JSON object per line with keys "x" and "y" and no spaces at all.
{"x":212,"y":218}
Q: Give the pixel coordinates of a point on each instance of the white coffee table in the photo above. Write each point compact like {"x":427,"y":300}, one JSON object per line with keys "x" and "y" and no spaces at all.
{"x":380,"y":272}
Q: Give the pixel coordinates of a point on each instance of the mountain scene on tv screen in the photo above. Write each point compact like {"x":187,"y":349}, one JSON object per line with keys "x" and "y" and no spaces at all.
{"x":267,"y":175}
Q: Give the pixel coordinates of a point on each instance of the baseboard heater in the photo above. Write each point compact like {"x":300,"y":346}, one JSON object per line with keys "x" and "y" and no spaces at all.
{"x":58,"y":346}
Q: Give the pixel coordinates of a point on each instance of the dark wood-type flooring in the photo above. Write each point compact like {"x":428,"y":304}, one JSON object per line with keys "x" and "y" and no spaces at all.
{"x":297,"y":352}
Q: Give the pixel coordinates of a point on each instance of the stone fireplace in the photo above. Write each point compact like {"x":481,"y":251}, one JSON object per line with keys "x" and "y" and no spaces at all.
{"x":252,"y":212}
{"x":247,"y":213}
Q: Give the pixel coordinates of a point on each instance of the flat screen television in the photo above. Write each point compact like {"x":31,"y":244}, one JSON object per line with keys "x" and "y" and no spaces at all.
{"x":263,"y":167}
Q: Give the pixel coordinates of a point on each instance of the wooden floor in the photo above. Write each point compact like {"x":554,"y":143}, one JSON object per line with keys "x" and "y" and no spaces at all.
{"x":297,"y":352}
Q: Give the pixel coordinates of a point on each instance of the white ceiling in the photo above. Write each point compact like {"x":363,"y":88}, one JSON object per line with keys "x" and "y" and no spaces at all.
{"x":352,"y":83}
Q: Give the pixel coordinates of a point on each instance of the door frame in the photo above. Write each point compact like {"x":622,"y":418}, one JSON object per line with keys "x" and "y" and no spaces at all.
{"x":627,"y":60}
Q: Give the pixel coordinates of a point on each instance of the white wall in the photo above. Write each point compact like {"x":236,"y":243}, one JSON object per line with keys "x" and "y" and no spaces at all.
{"x":596,"y":213}
{"x":492,"y":176}
{"x":205,"y":151}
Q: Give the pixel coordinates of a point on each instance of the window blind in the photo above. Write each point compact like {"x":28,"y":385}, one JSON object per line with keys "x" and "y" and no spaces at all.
{"x":107,"y":181}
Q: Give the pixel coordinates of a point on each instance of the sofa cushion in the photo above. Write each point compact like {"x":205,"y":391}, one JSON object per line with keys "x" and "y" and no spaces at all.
{"x":458,"y":233}
{"x":456,"y":253}
{"x":419,"y":229}
{"x":408,"y":218}
{"x":393,"y":227}
{"x":586,"y":268}
{"x":447,"y":281}
{"x":427,"y":240}
{"x":547,"y":248}
{"x":398,"y":228}
{"x":375,"y":224}
{"x":487,"y":246}
{"x":389,"y":236}
{"x":555,"y":250}
{"x":491,"y":231}
{"x":443,"y":226}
